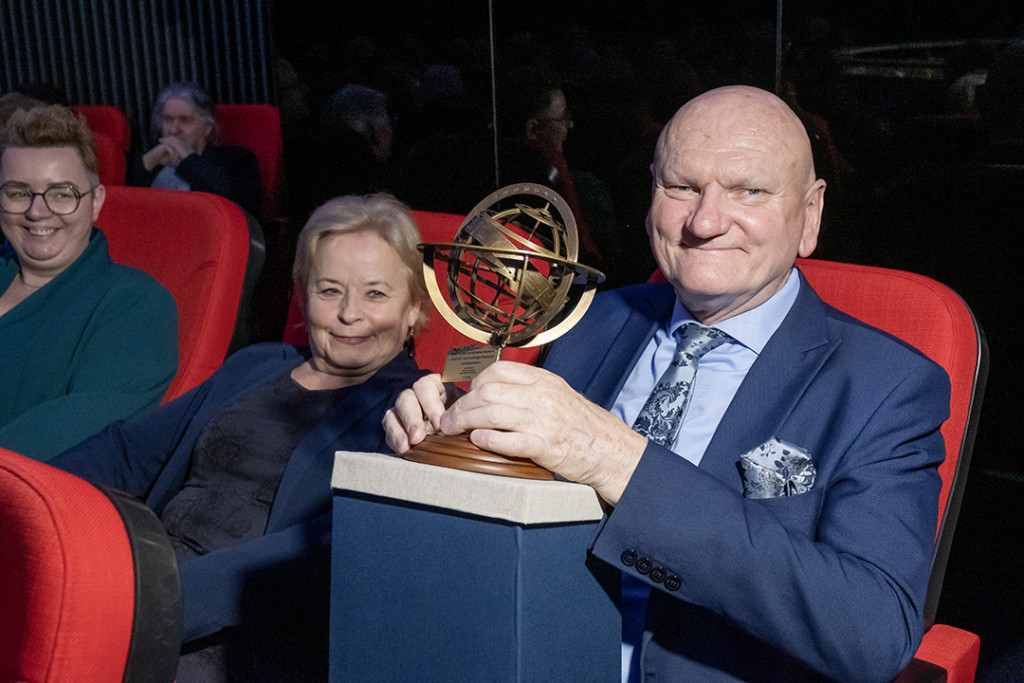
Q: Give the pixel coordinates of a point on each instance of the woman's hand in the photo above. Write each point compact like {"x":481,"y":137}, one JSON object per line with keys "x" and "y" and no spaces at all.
{"x":417,"y":412}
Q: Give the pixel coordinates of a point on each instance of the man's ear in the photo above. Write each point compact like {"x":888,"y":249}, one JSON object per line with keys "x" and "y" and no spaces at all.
{"x":813,"y":205}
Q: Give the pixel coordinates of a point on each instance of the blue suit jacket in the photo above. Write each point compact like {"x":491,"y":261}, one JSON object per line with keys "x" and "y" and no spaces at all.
{"x":149,"y":456}
{"x":826,"y":584}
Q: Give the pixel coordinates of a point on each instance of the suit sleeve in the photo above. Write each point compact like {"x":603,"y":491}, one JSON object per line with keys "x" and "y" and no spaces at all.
{"x":835,"y":577}
{"x":129,"y":454}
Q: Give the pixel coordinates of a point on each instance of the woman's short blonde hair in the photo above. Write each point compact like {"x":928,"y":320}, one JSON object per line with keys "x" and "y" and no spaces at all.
{"x":52,"y":125}
{"x":381,"y":214}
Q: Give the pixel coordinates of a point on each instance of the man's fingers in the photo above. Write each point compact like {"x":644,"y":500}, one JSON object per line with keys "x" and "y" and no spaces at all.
{"x":510,"y":372}
{"x":509,"y":444}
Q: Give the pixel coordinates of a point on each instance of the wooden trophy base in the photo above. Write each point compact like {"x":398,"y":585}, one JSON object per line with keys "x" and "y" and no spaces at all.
{"x":459,"y":453}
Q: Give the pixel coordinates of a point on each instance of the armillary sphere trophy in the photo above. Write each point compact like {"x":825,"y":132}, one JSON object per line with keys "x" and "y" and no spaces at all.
{"x":511,"y":279}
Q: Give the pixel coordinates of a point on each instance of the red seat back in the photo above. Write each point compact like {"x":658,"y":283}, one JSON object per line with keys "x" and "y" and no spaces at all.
{"x":256,"y":127}
{"x":108,"y":120}
{"x":113,"y":165}
{"x":113,"y":134}
{"x":927,"y":315}
{"x":73,"y":606}
{"x":434,"y":342}
{"x":935,"y":320}
{"x":196,"y":245}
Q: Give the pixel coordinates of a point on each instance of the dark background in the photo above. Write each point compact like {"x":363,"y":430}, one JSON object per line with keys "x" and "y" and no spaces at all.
{"x":873,"y":81}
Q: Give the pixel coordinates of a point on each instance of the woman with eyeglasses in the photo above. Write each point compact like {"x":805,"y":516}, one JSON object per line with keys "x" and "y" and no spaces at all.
{"x":83,"y":341}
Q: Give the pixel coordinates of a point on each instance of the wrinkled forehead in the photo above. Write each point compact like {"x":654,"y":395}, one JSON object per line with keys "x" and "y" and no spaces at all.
{"x":176,"y":107}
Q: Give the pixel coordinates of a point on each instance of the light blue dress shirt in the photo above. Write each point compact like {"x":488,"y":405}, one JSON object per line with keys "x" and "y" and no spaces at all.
{"x":720,"y":371}
{"x":719,"y":375}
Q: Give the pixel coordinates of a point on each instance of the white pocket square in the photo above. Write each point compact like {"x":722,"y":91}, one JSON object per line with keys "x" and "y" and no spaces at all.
{"x":775,"y":469}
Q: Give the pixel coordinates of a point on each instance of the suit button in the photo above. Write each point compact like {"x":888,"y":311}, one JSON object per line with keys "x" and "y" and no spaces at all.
{"x":658,"y":574}
{"x":629,"y":557}
{"x":673,"y":583}
{"x":643,"y":565}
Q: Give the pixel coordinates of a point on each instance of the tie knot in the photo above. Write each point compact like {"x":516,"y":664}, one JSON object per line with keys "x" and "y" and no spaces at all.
{"x":695,"y":340}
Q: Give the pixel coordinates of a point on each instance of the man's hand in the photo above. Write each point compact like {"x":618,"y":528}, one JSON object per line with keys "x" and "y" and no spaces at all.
{"x":523,"y":411}
{"x":169,"y":151}
{"x":177,"y":148}
{"x":158,"y":155}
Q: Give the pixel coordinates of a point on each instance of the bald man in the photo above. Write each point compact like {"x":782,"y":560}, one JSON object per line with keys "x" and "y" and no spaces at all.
{"x":786,"y":531}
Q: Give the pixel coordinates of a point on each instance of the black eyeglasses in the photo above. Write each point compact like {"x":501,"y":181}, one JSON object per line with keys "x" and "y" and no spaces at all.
{"x":61,"y":200}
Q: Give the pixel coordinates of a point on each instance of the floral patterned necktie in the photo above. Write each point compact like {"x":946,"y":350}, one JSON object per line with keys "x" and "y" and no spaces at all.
{"x":660,"y":418}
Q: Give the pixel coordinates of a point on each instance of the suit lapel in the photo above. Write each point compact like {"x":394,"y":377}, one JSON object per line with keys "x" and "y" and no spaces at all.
{"x":774,"y":385}
{"x":344,"y":428}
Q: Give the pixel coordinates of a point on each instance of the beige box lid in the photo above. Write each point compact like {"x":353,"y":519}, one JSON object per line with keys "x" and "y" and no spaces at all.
{"x":521,"y":501}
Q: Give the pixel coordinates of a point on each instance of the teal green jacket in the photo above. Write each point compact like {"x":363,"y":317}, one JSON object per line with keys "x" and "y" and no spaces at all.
{"x":97,"y":343}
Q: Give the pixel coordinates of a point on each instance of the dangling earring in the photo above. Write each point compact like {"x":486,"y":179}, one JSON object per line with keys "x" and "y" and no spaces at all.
{"x":410,"y":347}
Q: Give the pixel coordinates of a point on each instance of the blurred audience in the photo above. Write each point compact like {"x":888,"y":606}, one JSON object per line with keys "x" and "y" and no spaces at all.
{"x":185,"y":155}
{"x":1002,"y":107}
{"x":358,"y":109}
{"x":534,"y":121}
{"x":13,"y":101}
{"x":347,"y":151}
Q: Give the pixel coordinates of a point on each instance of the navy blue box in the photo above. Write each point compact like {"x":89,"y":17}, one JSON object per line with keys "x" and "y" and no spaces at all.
{"x":500,"y":590}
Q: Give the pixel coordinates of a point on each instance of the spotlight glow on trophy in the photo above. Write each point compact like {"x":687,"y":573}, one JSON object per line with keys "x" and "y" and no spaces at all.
{"x":509,"y":278}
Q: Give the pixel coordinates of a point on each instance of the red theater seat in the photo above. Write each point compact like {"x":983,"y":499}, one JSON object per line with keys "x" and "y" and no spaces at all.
{"x":935,"y":320}
{"x":113,"y":165}
{"x":90,"y":588}
{"x":197,"y":245}
{"x":108,"y":120}
{"x":256,"y":127}
{"x":113,"y":135}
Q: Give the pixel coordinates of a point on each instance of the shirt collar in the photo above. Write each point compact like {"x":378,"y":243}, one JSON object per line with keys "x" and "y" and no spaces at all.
{"x":751,"y":328}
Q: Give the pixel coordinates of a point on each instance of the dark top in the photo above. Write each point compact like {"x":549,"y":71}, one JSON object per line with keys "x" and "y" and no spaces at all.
{"x":230,"y":172}
{"x":273,"y":585}
{"x":237,"y":464}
